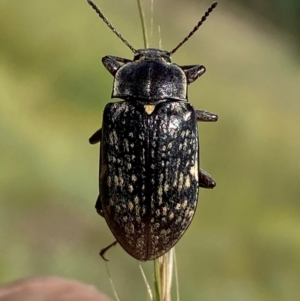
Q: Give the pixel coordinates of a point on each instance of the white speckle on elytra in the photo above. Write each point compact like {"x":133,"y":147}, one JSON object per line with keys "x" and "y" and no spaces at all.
{"x":184,"y":204}
{"x":180,"y":182}
{"x":161,"y":177}
{"x":137,"y":210}
{"x":194,"y":171}
{"x":191,"y":213}
{"x":130,"y":206}
{"x":130,"y":188}
{"x":129,"y":228}
{"x":126,"y":143}
{"x":160,"y":191}
{"x":164,"y":210}
{"x":178,"y":220}
{"x":187,"y":183}
{"x":108,"y":181}
{"x":160,"y":200}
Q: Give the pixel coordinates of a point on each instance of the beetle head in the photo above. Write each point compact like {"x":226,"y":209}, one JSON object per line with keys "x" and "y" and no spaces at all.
{"x":150,"y":77}
{"x":151,"y":54}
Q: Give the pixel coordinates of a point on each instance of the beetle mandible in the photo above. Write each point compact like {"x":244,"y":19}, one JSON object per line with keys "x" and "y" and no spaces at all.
{"x":149,"y":166}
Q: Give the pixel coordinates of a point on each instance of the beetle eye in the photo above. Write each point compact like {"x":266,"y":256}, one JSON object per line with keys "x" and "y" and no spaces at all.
{"x":137,"y":57}
{"x":166,"y":58}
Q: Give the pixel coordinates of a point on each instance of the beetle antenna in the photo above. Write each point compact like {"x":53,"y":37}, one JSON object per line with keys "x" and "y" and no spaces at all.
{"x":98,"y":11}
{"x":212,"y":7}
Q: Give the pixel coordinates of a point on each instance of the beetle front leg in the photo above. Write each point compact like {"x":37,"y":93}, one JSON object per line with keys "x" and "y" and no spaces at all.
{"x":96,"y":137}
{"x":206,"y":116}
{"x":206,"y":180}
{"x":113,"y":63}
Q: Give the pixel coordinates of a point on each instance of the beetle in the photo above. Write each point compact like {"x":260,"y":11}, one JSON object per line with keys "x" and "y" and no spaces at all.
{"x":149,"y":166}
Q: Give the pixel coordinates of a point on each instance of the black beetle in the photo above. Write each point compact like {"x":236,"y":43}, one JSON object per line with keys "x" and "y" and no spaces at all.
{"x":149,"y":165}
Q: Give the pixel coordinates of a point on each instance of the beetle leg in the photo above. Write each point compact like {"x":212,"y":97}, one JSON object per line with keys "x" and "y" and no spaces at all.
{"x":192,"y":72}
{"x":96,"y":137}
{"x":113,"y":63}
{"x":103,"y":251}
{"x":98,"y":206}
{"x":206,"y":180}
{"x":205,"y":116}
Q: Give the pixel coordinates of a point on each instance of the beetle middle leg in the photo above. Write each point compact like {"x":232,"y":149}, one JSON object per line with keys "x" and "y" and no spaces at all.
{"x":100,"y":212}
{"x":96,"y":137}
{"x":98,"y":206}
{"x":206,"y":116}
{"x":206,"y":180}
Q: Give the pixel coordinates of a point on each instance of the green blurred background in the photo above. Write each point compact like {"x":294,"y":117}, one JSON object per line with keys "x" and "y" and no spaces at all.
{"x":244,"y":242}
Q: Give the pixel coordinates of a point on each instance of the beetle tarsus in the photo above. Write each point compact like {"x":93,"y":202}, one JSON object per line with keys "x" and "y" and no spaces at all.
{"x":96,"y":137}
{"x":103,"y":251}
{"x":206,"y":116}
{"x":206,"y":180}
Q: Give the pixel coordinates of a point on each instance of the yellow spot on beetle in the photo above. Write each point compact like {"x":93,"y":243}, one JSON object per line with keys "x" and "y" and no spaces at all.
{"x":149,"y":109}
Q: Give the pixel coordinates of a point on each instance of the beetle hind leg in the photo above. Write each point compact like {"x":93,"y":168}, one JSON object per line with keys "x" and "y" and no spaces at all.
{"x":96,"y":137}
{"x":206,"y":116}
{"x":103,"y":251}
{"x":206,"y":180}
